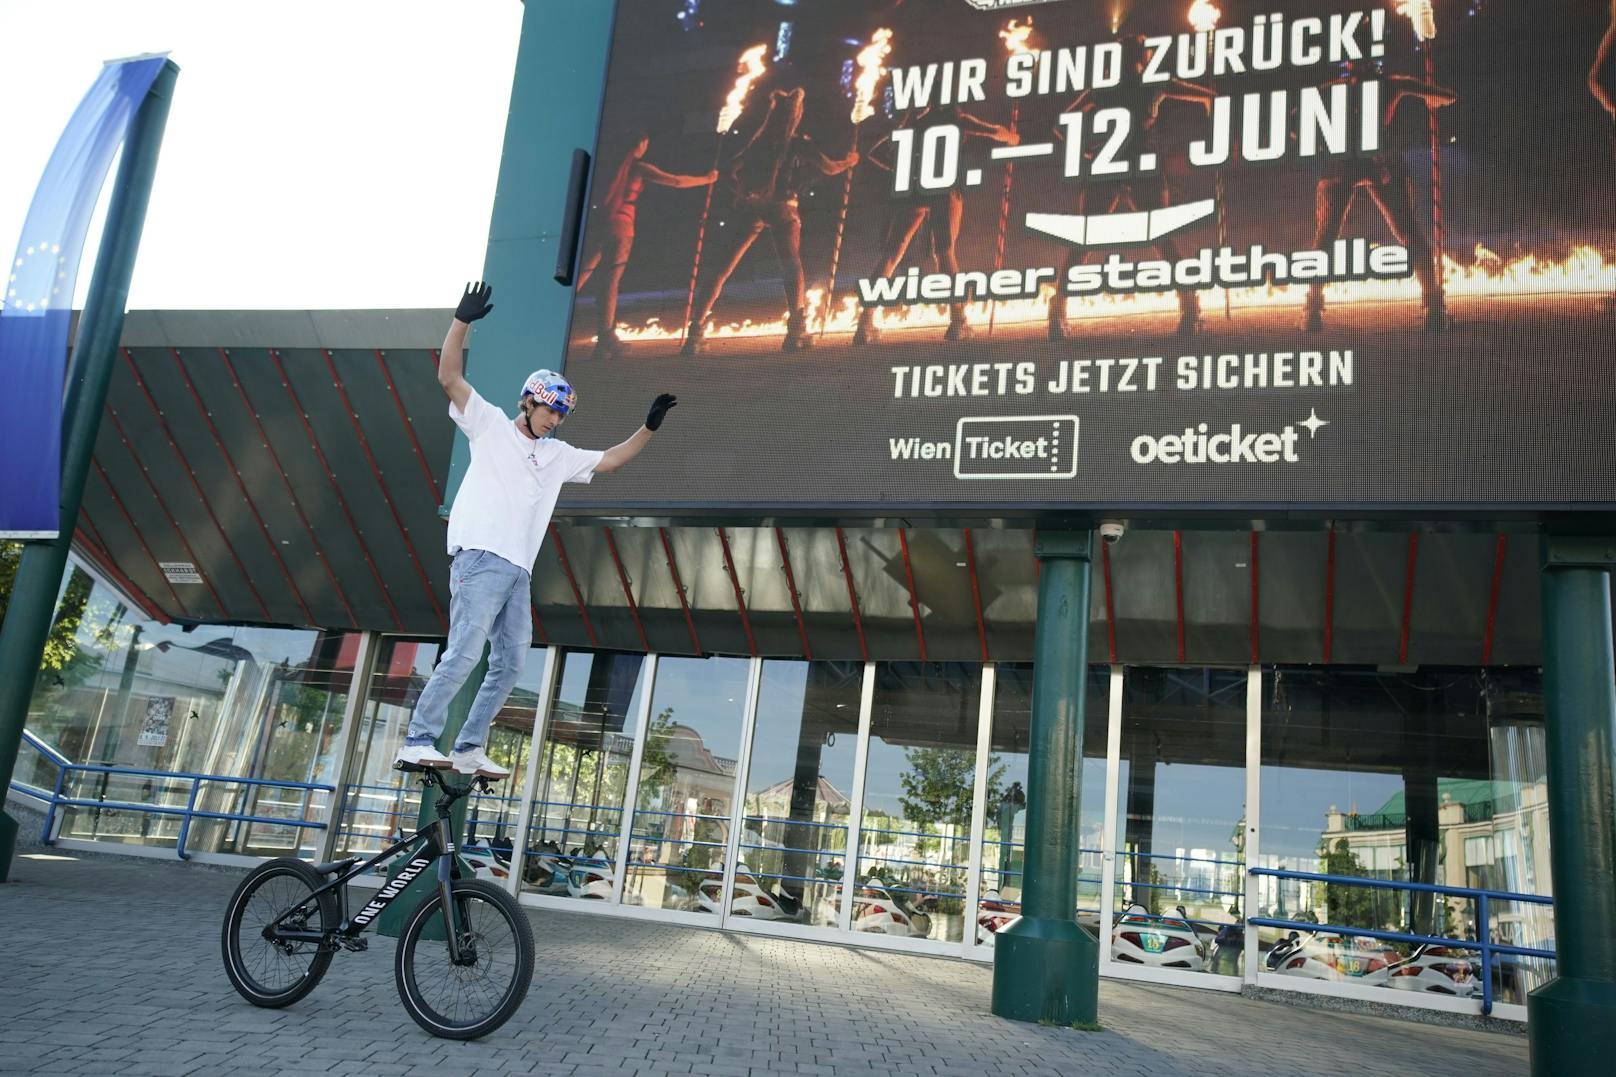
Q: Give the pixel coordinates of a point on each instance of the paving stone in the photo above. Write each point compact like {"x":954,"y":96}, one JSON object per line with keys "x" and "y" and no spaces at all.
{"x":137,"y":987}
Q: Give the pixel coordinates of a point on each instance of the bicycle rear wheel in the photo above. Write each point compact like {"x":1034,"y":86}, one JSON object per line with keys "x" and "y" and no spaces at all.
{"x":462,"y":1002}
{"x":268,"y":972}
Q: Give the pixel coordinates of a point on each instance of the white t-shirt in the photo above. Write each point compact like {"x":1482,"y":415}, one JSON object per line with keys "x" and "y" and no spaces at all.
{"x":510,"y":489}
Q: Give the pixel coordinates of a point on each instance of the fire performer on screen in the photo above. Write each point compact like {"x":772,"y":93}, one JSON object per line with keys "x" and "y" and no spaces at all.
{"x":1602,"y":77}
{"x":615,"y":239}
{"x":940,"y":212}
{"x":1388,"y":184}
{"x":769,"y":174}
{"x":1138,"y":194}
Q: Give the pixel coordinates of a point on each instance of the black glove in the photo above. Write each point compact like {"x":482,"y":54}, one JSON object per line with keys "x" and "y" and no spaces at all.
{"x":474,"y":304}
{"x":659,"y":410}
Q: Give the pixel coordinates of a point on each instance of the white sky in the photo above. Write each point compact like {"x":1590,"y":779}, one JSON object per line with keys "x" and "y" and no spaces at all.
{"x":318,"y":154}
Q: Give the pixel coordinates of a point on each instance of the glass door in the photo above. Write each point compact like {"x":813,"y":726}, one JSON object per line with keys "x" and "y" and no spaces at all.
{"x":1178,"y":766}
{"x":1005,"y":801}
{"x":912,"y":864}
{"x":792,"y":847}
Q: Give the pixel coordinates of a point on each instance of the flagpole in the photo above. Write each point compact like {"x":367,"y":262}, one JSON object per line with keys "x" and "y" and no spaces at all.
{"x":33,"y":593}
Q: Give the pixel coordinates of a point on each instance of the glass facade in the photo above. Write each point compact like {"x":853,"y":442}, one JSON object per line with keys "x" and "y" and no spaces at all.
{"x":1181,"y":821}
{"x":1435,"y":777}
{"x":582,"y":779}
{"x":1004,"y":839}
{"x":919,"y":783}
{"x":876,"y":801}
{"x":120,"y":690}
{"x":799,"y":789}
{"x":686,"y":789}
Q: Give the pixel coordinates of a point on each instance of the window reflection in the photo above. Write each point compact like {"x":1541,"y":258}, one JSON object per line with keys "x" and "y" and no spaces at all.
{"x":1434,"y":777}
{"x":914,"y":836}
{"x":1181,"y":838}
{"x":583,"y":776}
{"x":794,"y":831}
{"x":118,"y":689}
{"x":683,"y":809}
{"x":1004,"y":835}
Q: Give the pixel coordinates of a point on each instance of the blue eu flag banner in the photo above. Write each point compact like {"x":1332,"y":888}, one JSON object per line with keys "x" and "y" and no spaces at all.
{"x":39,"y":297}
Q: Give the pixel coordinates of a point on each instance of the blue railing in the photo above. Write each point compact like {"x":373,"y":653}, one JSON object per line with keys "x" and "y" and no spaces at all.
{"x":1482,"y":943}
{"x":186,"y":814}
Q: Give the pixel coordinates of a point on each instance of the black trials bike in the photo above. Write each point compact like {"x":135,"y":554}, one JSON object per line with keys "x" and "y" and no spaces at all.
{"x":465,"y":955}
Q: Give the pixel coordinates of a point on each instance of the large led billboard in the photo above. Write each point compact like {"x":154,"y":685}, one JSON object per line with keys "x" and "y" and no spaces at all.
{"x":1107,"y":253}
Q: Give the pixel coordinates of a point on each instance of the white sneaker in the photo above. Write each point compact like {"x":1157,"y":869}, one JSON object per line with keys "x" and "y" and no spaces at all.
{"x":476,"y":761}
{"x":421,"y":755}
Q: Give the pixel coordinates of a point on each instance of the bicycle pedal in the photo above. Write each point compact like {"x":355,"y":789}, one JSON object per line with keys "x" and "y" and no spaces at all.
{"x":355,"y":945}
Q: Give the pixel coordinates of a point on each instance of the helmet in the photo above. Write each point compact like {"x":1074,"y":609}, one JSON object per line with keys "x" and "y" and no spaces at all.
{"x":552,"y":390}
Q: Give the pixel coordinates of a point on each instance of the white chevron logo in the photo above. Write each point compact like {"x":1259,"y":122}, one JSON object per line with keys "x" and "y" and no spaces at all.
{"x":1120,"y":229}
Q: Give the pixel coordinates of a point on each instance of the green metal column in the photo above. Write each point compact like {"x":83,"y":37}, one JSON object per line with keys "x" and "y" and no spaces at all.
{"x":1046,"y":967}
{"x":391,"y":921}
{"x":1572,"y":1019}
{"x":33,"y":594}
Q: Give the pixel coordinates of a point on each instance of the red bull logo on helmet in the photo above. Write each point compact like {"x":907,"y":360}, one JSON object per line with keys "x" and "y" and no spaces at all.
{"x":550,"y":389}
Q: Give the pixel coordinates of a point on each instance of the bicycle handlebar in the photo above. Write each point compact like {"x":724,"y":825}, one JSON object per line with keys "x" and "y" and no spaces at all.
{"x":448,"y":792}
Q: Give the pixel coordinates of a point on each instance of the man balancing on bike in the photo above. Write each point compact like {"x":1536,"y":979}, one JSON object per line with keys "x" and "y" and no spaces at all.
{"x":496,"y":525}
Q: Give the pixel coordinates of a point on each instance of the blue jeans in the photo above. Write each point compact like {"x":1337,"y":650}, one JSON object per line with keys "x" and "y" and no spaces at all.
{"x":488,"y":603}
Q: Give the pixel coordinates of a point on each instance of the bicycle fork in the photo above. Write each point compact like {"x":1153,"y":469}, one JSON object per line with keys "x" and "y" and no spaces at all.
{"x":446,"y":892}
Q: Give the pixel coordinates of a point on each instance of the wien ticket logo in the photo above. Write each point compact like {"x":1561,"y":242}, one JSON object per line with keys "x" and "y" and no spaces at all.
{"x":1026,"y":447}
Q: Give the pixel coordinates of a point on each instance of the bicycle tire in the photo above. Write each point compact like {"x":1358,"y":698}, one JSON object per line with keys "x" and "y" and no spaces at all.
{"x":418,"y":957}
{"x":256,"y":903}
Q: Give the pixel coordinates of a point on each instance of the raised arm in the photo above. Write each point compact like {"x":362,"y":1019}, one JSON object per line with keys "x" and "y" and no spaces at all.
{"x":973,"y":127}
{"x":655,"y":175}
{"x":1433,"y":95}
{"x":620,"y":454}
{"x":1602,"y":76}
{"x":1193,"y":92}
{"x":474,"y":304}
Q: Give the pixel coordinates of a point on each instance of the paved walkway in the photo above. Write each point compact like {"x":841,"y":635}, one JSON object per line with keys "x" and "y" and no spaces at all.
{"x":111,"y":966}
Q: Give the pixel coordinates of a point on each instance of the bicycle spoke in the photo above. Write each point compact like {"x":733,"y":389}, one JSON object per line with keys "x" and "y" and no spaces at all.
{"x":465,"y":994}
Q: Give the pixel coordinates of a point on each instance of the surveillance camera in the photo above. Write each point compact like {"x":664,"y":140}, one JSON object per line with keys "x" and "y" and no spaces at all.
{"x":1112,"y":531}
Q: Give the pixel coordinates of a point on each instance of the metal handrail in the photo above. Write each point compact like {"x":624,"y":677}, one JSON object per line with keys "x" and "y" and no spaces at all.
{"x":43,"y":748}
{"x":1482,"y":944}
{"x":189,"y":812}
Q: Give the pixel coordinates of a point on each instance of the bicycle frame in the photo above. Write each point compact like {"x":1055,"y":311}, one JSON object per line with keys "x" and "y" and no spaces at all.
{"x":436,"y":845}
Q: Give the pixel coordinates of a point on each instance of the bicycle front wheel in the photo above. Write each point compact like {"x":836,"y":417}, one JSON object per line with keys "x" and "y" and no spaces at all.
{"x":473,"y":998}
{"x":267,"y":971}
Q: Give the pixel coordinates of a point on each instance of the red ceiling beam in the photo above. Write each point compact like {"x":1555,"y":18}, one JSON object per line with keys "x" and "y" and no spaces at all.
{"x":914,"y":602}
{"x":409,"y":428}
{"x":179,"y":532}
{"x":628,"y":593}
{"x":381,"y":484}
{"x":572,"y":581}
{"x":1500,"y":549}
{"x":235,"y":471}
{"x":94,"y":551}
{"x":173,"y":445}
{"x":1408,"y":596}
{"x":852,"y":596}
{"x":129,"y":521}
{"x":740,"y":598}
{"x":791,"y":586}
{"x":538,"y":625}
{"x":1110,"y":606}
{"x":679,"y":588}
{"x":1256,"y":630}
{"x":297,"y":506}
{"x":1329,"y":596}
{"x":336,"y":488}
{"x":1178,"y":587}
{"x":976,"y":596}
